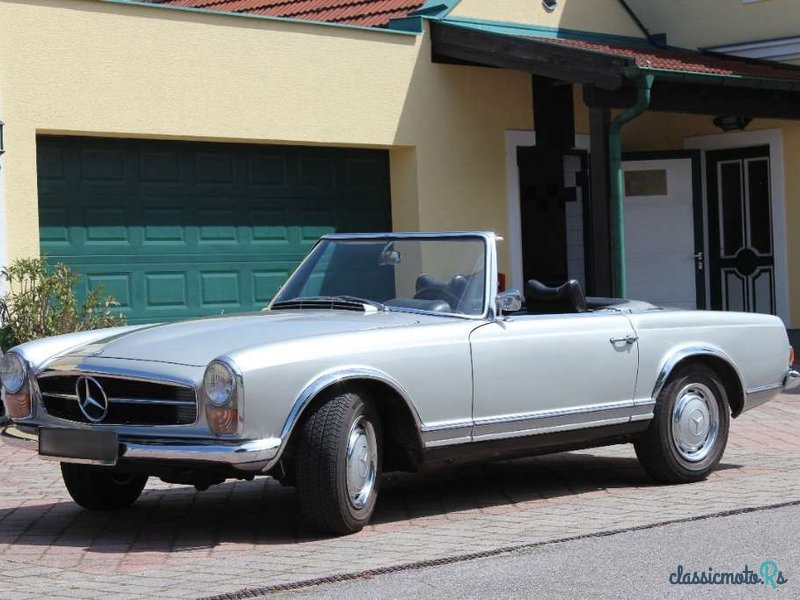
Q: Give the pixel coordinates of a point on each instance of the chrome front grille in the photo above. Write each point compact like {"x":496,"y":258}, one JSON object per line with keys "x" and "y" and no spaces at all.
{"x":130,"y":401}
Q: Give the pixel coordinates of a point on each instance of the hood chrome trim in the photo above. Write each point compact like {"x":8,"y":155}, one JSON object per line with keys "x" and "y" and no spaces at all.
{"x":53,"y":370}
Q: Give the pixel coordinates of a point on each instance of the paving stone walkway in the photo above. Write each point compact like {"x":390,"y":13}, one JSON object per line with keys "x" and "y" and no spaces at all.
{"x":179,"y":543}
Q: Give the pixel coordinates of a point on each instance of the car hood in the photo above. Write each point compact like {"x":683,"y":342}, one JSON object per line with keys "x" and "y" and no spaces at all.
{"x":196,"y":343}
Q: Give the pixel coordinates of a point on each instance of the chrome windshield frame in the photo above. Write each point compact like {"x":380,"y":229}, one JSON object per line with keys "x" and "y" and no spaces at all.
{"x":490,"y":265}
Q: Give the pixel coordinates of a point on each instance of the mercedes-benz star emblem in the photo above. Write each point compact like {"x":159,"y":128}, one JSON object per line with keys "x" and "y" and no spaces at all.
{"x":92,"y":399}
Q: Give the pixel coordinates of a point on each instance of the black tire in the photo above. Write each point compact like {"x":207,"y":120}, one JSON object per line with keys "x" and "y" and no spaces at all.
{"x":658,"y":451}
{"x":101,"y":488}
{"x":321,"y":463}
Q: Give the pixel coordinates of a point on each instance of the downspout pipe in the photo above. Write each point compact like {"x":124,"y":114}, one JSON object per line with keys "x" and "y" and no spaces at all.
{"x":644,"y":86}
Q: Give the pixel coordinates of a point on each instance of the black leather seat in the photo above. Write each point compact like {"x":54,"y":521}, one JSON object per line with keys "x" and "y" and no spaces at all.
{"x":425,"y":282}
{"x":544,"y":300}
{"x":428,"y":286}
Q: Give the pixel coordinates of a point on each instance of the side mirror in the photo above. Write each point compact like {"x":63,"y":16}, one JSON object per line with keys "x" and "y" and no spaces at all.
{"x":390,"y":256}
{"x":508,"y":302}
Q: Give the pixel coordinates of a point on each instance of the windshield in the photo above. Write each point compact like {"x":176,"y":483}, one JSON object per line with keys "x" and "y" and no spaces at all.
{"x":444,"y":275}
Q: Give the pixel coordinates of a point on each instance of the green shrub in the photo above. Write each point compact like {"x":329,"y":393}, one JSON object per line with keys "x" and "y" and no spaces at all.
{"x":40,"y":301}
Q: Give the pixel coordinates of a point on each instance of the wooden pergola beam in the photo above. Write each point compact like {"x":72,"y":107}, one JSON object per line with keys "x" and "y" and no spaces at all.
{"x":694,"y":98}
{"x":451,"y":43}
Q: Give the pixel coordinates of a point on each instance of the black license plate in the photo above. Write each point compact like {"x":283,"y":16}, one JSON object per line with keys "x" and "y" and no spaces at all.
{"x":100,"y":447}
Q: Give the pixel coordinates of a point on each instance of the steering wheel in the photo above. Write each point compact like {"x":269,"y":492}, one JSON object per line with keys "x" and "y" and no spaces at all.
{"x":437,"y":293}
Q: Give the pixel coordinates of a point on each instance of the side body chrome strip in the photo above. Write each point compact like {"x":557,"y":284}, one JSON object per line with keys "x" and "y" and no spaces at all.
{"x":537,"y":422}
{"x":761,"y":394}
{"x":765,"y":388}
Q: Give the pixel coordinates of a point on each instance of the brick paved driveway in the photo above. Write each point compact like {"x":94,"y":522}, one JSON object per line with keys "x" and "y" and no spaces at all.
{"x":178,"y":543}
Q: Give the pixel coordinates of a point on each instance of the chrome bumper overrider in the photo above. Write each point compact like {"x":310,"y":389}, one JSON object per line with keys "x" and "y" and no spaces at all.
{"x":245,"y":454}
{"x":792,"y":379}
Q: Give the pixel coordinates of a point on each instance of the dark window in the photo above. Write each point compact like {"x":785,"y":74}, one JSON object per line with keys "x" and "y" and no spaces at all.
{"x":759,"y":205}
{"x":730,"y":196}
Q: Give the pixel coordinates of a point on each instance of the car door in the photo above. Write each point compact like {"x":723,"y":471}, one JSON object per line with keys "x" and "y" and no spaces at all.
{"x":546,"y":373}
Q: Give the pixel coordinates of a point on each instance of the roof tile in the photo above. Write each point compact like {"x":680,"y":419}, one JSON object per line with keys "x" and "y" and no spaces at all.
{"x":371,"y":13}
{"x":687,"y":61}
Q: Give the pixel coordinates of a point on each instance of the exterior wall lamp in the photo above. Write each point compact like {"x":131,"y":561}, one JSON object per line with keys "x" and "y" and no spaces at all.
{"x":732,"y":123}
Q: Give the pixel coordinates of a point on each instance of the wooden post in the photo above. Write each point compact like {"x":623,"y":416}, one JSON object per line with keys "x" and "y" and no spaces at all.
{"x":598,"y":238}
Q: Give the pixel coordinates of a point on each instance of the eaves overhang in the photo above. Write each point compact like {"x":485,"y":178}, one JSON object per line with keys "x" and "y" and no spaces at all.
{"x":684,"y":80}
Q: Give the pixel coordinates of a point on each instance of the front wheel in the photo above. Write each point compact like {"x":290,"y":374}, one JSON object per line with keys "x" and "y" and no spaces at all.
{"x":101,"y":488}
{"x":689,"y":430}
{"x":338,"y":463}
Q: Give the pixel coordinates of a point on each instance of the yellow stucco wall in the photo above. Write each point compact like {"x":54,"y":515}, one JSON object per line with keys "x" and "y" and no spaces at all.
{"x":601,"y":16}
{"x":92,"y":68}
{"x":703,"y":23}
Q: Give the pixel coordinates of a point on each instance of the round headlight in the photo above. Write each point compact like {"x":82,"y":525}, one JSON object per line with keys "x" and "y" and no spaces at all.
{"x":218,"y":383}
{"x":13,"y":372}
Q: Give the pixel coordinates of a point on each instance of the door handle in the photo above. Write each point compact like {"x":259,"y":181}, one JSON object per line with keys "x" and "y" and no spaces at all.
{"x":628,"y":339}
{"x":698,"y":259}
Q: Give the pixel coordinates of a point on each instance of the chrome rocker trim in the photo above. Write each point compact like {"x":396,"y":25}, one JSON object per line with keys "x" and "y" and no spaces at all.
{"x":249,"y":455}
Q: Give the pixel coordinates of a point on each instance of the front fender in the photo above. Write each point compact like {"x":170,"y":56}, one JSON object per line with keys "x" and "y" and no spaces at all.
{"x":323,"y":381}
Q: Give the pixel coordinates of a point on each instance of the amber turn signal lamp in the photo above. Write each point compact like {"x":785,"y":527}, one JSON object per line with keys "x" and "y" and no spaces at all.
{"x":222,"y":419}
{"x":18,"y":405}
{"x":791,"y":355}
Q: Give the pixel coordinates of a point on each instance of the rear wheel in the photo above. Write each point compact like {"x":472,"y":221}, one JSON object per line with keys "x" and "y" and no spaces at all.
{"x":338,"y":464}
{"x":689,"y":430}
{"x":101,"y":488}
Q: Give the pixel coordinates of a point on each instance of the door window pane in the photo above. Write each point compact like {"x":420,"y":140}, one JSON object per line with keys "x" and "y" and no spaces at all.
{"x":730,"y":201}
{"x":759,"y":205}
{"x":646,"y":183}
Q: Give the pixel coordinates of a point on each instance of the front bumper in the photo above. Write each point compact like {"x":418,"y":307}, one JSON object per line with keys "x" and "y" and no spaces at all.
{"x":246,"y":455}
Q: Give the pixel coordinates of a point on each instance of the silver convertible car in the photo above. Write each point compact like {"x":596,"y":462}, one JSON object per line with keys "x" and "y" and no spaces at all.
{"x":388,"y":352}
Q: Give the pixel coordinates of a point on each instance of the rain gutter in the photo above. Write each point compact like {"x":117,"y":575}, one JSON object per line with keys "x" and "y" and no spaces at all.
{"x":644,"y":86}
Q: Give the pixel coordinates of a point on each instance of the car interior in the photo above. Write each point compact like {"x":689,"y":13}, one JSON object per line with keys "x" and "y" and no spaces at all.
{"x":350,"y":268}
{"x":541,"y":299}
{"x":464,"y":294}
{"x":568,"y":298}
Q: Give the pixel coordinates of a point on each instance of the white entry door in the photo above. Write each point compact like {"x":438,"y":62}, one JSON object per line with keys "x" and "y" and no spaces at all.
{"x":664,"y":264}
{"x":661,"y":258}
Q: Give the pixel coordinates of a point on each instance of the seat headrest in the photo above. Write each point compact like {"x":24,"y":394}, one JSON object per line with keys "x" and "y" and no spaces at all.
{"x":542,"y":299}
{"x":425,"y":281}
{"x":458,"y":285}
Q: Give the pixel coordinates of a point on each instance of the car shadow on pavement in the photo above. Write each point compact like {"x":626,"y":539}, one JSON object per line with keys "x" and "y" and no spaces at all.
{"x":245,"y":515}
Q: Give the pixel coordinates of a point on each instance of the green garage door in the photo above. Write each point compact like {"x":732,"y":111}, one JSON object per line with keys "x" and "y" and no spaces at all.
{"x":176,"y":229}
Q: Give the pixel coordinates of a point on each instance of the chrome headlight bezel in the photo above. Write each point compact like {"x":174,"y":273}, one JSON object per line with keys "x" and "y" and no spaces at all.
{"x":219,"y":383}
{"x":14,"y":372}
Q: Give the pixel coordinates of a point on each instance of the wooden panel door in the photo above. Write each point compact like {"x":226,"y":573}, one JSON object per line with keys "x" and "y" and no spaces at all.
{"x":741,"y":251}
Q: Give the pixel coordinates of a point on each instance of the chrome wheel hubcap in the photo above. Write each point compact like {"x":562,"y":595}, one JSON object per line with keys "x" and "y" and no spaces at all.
{"x":695,"y":422}
{"x":362,"y":462}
